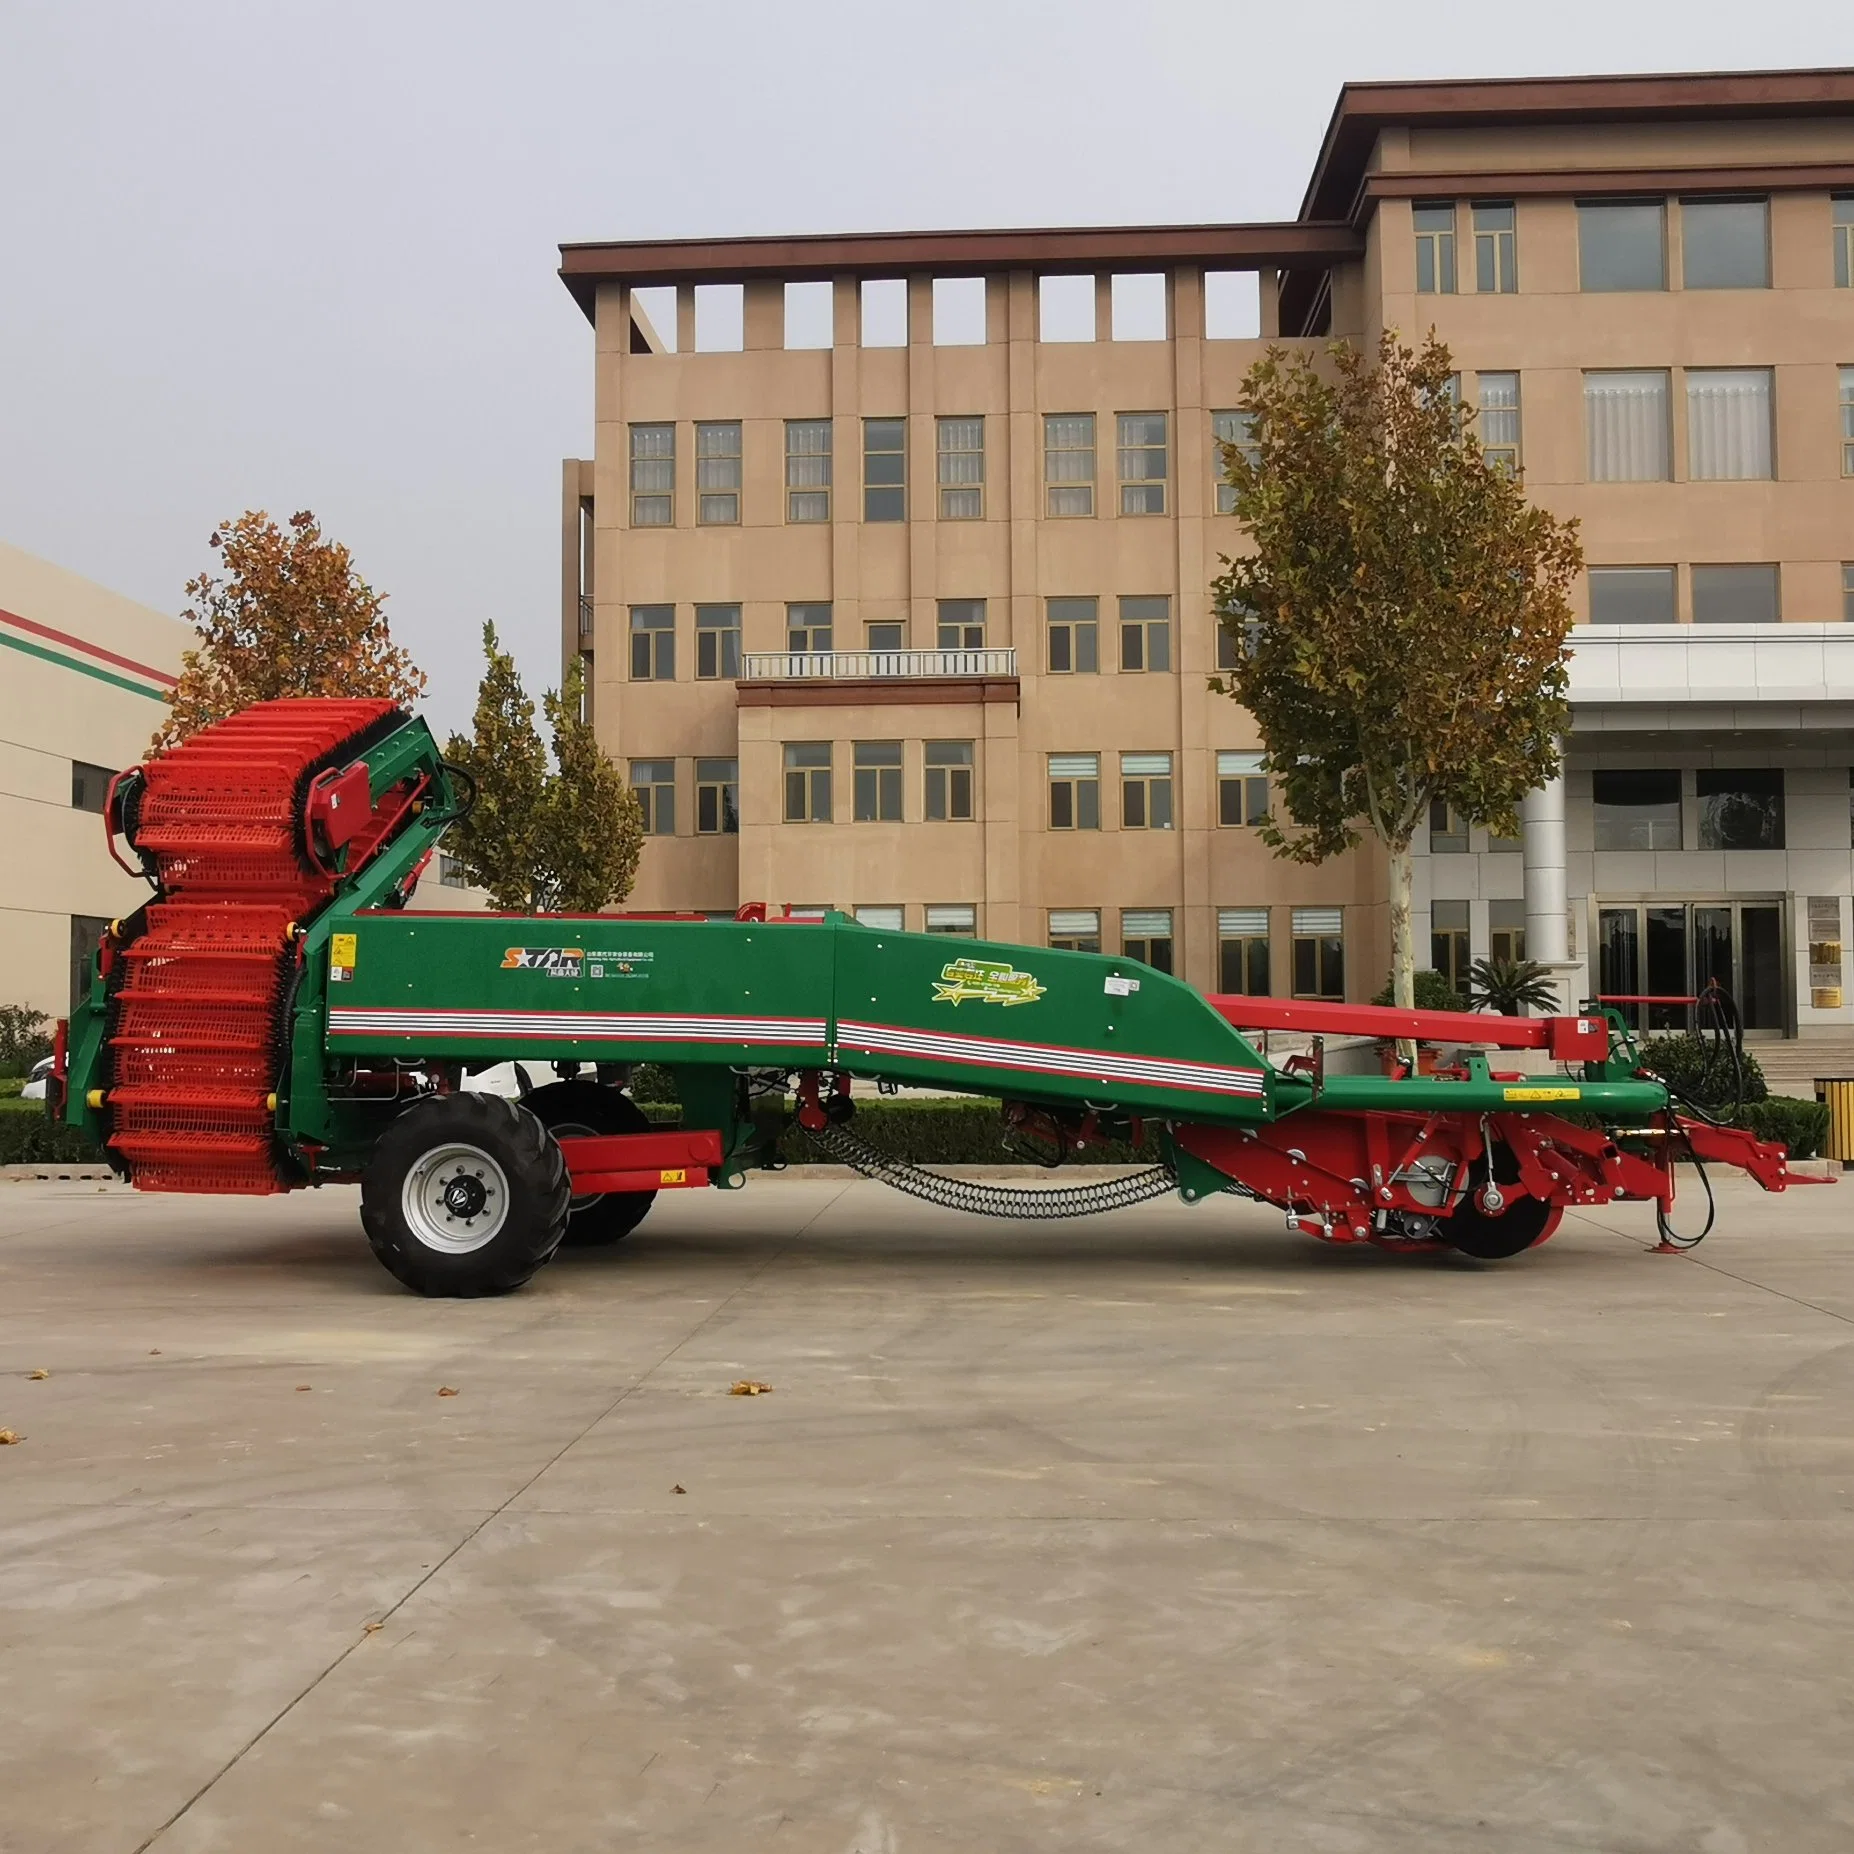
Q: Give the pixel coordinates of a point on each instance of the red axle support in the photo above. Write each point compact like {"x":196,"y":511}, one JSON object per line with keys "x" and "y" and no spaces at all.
{"x":658,"y":1161}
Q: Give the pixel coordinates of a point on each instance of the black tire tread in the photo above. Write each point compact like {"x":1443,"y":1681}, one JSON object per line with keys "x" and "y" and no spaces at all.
{"x":612,"y":1216}
{"x":538,"y":1189}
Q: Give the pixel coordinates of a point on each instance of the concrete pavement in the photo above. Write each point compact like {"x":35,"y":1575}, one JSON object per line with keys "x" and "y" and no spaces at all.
{"x":1161,"y":1531}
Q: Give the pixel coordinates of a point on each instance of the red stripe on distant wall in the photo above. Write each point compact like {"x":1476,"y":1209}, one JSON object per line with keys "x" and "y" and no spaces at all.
{"x":89,"y":649}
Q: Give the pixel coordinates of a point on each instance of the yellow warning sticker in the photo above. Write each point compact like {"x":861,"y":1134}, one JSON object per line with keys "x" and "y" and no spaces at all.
{"x":341,"y":949}
{"x":1543,"y":1094}
{"x":672,"y":1178}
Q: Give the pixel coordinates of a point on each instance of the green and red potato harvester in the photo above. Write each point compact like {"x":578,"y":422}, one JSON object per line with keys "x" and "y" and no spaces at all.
{"x":275,"y":1018}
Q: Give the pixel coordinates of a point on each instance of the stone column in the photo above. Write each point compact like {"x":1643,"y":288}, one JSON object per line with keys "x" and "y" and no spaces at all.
{"x":1541,"y":816}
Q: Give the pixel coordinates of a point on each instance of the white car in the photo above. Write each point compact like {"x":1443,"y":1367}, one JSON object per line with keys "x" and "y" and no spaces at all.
{"x":34,"y":1089}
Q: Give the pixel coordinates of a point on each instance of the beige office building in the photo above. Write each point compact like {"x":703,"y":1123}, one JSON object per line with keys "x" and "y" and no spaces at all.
{"x":891,"y":565}
{"x":84,"y":675}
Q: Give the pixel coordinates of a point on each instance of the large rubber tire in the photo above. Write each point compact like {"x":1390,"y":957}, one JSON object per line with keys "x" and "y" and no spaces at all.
{"x":587,"y":1107}
{"x":1523,"y":1224}
{"x":487,"y":1149}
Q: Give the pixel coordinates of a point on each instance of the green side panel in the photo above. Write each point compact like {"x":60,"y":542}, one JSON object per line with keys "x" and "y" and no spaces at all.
{"x":1030,"y":1023}
{"x":598,"y":988}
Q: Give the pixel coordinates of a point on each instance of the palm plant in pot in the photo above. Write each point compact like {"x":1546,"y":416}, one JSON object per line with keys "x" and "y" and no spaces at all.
{"x":1511,"y":987}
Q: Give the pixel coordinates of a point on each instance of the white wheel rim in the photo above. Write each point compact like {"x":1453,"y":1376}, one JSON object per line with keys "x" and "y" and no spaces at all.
{"x":455,"y":1199}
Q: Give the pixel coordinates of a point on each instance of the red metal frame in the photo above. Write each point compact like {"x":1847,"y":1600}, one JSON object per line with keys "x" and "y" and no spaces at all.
{"x":1333,"y":1171}
{"x":1569,"y":1039}
{"x":668,"y":1160}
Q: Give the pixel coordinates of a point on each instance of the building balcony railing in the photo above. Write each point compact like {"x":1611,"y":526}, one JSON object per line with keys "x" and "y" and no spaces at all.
{"x":585,"y":615}
{"x":872,"y":665}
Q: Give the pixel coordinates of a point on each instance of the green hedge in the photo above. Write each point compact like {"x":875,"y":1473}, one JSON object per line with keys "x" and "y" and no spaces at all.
{"x":1702,"y":1069}
{"x":29,"y":1138}
{"x":1800,"y":1125}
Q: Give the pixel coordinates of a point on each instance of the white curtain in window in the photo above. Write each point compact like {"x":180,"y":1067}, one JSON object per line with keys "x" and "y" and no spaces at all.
{"x":1074,"y":923}
{"x":1319,"y":920}
{"x":1146,"y":923}
{"x":1145,"y":764}
{"x":1627,"y":417}
{"x":1239,"y":765}
{"x":1074,"y":765}
{"x":887,"y":920}
{"x":953,"y":917}
{"x":1242,"y":923}
{"x":1728,"y":423}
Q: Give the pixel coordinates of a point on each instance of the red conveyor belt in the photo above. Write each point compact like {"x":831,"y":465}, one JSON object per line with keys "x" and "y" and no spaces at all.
{"x":196,"y":1032}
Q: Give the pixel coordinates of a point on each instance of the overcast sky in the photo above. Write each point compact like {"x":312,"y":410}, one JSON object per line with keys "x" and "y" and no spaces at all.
{"x":287,"y":256}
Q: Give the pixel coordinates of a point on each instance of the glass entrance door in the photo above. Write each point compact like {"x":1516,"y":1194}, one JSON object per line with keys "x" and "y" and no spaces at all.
{"x":1674,"y":949}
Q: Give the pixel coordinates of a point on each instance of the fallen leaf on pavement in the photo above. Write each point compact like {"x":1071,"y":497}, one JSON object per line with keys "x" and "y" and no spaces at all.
{"x":444,"y":1390}
{"x":302,"y":1387}
{"x":679,"y":1488}
{"x":9,"y":1436}
{"x":38,"y":1374}
{"x":748,"y":1387}
{"x":372,"y":1628}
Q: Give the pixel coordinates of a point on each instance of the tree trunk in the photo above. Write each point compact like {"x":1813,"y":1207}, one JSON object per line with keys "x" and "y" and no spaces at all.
{"x":1403,"y":950}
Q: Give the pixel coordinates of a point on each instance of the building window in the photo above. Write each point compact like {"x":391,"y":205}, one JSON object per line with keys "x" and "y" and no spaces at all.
{"x":717,"y":642}
{"x":1145,"y":634}
{"x":955,"y":917}
{"x":1740,"y":810}
{"x":653,"y":476}
{"x":1496,"y":249}
{"x":1146,"y":791}
{"x":1074,"y":627}
{"x":1242,"y":789}
{"x":1142,"y":450}
{"x":451,"y":871}
{"x":1729,"y":424}
{"x":1068,"y":462}
{"x":1146,"y":935}
{"x":807,"y":782}
{"x":1074,"y":791}
{"x":1435,"y":248}
{"x":1626,"y":417}
{"x":1319,"y":953}
{"x":653,"y":643}
{"x":1448,"y":942}
{"x":1847,"y":421}
{"x":1636,"y":810}
{"x":961,"y":624}
{"x":1242,"y":952}
{"x":876,"y":781}
{"x":1499,"y":425}
{"x":960,"y":452}
{"x":1632,"y":595}
{"x":717,"y":798}
{"x":948,"y":781}
{"x":654,"y":782}
{"x":89,"y":786}
{"x":717,"y":472}
{"x":1622,"y":244}
{"x":1075,"y":930}
{"x":807,"y":628}
{"x":885,"y":634}
{"x":1725,"y":244}
{"x":1844,"y":240}
{"x":807,"y":469}
{"x":1448,"y":829}
{"x":1506,"y":930}
{"x":1735,"y":594}
{"x":1847,"y":591}
{"x":882,"y":919}
{"x":885,"y":495}
{"x":1236,"y":429}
